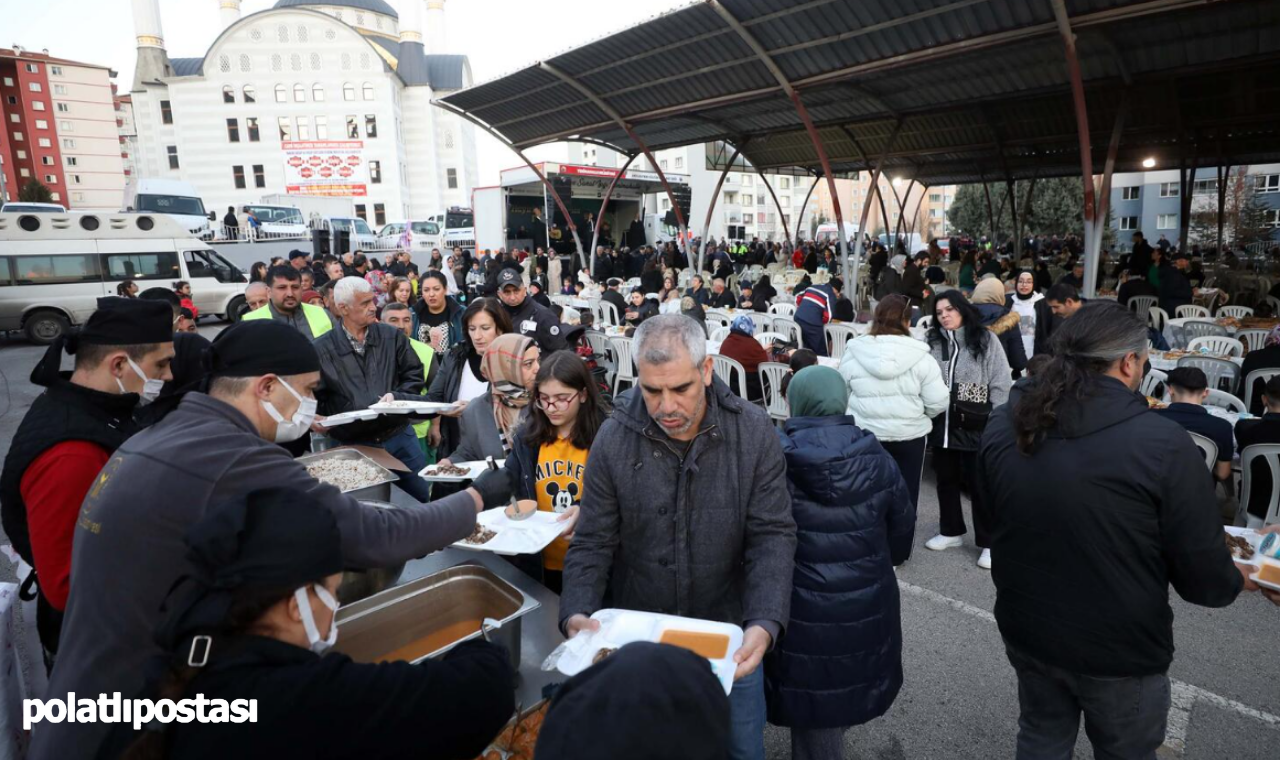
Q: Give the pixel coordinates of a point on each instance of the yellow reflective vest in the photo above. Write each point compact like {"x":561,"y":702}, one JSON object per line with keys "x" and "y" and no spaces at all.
{"x":317,"y":318}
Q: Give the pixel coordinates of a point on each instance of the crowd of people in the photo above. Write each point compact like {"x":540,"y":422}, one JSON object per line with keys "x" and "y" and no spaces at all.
{"x":679,"y":496}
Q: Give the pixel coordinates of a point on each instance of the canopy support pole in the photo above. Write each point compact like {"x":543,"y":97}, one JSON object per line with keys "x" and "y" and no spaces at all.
{"x":711,"y":207}
{"x":924,"y":193}
{"x":782,"y":222}
{"x":604,"y":203}
{"x":1104,"y":192}
{"x":1224,"y":173}
{"x":613,"y":114}
{"x":866,"y":206}
{"x":1092,"y":240}
{"x":991,"y":218}
{"x":800,"y":216}
{"x":573,"y":228}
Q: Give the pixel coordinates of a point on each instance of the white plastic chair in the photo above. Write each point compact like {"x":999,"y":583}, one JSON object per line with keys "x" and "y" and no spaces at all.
{"x":1215,"y":370}
{"x":782,"y":309}
{"x":925,"y":322}
{"x":1253,"y":338}
{"x":609,"y":313}
{"x":1207,"y":447}
{"x":1239,"y":312}
{"x":1191,"y":310}
{"x":1226,"y":401}
{"x":789,"y":327}
{"x":771,"y":375}
{"x":1155,"y":384}
{"x":1274,"y":303}
{"x":727,"y":370}
{"x":603,"y":350}
{"x":719,"y":334}
{"x":626,"y":369}
{"x":1271,"y":453}
{"x":718,"y":317}
{"x":1157,"y":318}
{"x":1140,"y":304}
{"x":838,"y":336}
{"x":1198,"y":329}
{"x":1217,"y":344}
{"x":1258,"y":375}
{"x":768,"y":338}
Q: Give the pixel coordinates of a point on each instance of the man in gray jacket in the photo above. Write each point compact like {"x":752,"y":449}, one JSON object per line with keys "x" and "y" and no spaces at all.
{"x":128,"y":548}
{"x":689,"y":512}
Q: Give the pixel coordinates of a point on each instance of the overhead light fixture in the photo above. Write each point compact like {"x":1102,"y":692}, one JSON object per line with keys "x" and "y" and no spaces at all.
{"x":1148,"y":163}
{"x":897,"y":180}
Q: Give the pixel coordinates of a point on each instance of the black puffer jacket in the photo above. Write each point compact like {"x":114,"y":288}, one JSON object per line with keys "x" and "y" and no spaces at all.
{"x":349,"y":382}
{"x":1006,"y":325}
{"x":444,"y":390}
{"x":841,"y":661}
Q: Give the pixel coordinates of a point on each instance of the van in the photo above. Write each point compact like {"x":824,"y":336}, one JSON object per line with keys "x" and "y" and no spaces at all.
{"x":362,"y":238}
{"x":422,"y":236}
{"x":54,"y":267}
{"x":178,"y":200}
{"x":277,"y":222}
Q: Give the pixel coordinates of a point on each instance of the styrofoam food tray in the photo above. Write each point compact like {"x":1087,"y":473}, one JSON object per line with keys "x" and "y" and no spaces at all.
{"x":1254,"y":538}
{"x":474,"y":470}
{"x":528,"y":536}
{"x":621,"y":627}
{"x":411,"y":407}
{"x":347,"y":417}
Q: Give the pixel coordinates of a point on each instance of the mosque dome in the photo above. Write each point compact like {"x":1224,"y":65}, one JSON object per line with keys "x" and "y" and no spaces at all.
{"x":373,"y":6}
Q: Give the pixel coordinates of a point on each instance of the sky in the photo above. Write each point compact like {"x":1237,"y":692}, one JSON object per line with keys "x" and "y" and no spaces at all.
{"x":499,"y":36}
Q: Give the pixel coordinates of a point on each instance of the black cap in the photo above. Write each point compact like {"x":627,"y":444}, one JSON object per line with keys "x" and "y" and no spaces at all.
{"x":297,"y":254}
{"x":128,"y":322}
{"x":1188,"y":379}
{"x":509,"y":276}
{"x":274,"y":539}
{"x":644,"y":701}
{"x":614,"y":282}
{"x":261,"y":347}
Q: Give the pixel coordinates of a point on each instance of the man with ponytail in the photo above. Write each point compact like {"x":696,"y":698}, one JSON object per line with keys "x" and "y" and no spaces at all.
{"x":1098,"y":507}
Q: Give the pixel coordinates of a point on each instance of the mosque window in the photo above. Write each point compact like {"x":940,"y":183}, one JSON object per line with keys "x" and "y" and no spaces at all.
{"x":228,"y":94}
{"x":317,"y":92}
{"x":245,"y":64}
{"x":364,"y":61}
{"x":360,"y":19}
{"x":302,"y":34}
{"x":295,"y":62}
{"x":250,"y":94}
{"x":255,"y":34}
{"x":277,"y":62}
{"x":367,"y":91}
{"x":346,"y":61}
{"x":224,"y":64}
{"x":348,"y":91}
{"x":315,"y":61}
{"x":282,"y":32}
{"x":330,"y":34}
{"x":282,"y":94}
{"x":448,"y":140}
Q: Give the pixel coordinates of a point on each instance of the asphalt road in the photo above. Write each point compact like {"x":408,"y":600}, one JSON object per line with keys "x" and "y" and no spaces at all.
{"x":960,"y":697}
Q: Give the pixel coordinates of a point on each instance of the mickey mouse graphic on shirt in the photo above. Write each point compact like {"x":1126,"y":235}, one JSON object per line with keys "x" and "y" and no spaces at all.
{"x":562,"y":497}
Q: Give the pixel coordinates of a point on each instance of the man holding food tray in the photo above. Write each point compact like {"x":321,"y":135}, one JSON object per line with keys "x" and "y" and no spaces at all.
{"x":686,"y":512}
{"x":129,"y":547}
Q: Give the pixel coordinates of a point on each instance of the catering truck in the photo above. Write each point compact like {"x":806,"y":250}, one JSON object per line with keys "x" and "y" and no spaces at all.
{"x":180,"y":201}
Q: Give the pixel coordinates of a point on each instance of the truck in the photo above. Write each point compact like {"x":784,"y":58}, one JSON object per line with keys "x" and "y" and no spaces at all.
{"x":313,"y":207}
{"x":178,"y":200}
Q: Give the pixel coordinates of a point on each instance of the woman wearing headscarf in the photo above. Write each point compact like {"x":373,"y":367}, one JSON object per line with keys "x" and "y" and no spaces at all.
{"x":742,"y":347}
{"x":1267,"y":357}
{"x":693,"y":310}
{"x":977,"y":375}
{"x":1027,"y":304}
{"x":890,"y":282}
{"x":989,"y":300}
{"x":254,"y":621}
{"x":489,"y":422}
{"x":764,"y":291}
{"x":840,"y":664}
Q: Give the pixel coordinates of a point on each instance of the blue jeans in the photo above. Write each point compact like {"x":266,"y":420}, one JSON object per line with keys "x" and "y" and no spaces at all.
{"x":404,"y":446}
{"x":747,"y":717}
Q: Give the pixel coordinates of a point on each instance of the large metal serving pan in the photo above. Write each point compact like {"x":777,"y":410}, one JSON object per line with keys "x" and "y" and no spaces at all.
{"x":380,"y":491}
{"x":368,"y":630}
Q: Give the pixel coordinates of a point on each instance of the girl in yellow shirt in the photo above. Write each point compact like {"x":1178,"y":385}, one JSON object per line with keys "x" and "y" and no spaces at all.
{"x":549,"y":454}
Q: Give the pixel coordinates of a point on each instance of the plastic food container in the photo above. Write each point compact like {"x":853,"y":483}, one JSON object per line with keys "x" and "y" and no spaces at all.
{"x":621,"y":627}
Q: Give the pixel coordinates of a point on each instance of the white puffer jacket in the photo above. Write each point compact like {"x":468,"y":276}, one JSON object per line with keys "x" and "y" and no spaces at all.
{"x":895,"y":386}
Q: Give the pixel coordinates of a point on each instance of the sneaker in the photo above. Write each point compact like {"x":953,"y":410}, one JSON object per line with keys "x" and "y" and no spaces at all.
{"x":940,"y":542}
{"x":984,"y":561}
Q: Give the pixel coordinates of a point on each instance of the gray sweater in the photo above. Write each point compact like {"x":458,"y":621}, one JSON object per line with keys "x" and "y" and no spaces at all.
{"x":969,"y":379}
{"x":129,"y":547}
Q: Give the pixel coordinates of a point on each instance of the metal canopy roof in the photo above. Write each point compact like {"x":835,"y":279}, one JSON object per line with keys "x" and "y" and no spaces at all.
{"x":978,"y":89}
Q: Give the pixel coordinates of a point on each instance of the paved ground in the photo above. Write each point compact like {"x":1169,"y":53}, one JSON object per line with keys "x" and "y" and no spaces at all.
{"x":960,"y":698}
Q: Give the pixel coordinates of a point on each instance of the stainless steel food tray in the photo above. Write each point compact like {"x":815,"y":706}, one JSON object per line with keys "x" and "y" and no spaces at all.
{"x":379,"y":491}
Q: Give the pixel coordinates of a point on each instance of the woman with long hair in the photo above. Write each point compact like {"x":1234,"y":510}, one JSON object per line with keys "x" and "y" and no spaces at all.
{"x":258,"y":272}
{"x":252,"y":623}
{"x":895,"y":388}
{"x":182,"y":289}
{"x":840,"y":664}
{"x":490,"y":421}
{"x":976,"y":373}
{"x":549,"y":455}
{"x":968,"y":278}
{"x":437,"y":317}
{"x":459,"y":378}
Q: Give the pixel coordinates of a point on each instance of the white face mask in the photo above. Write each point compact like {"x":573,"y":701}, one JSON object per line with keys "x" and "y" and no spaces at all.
{"x":318,"y":645}
{"x":150,"y":388}
{"x":295,"y":428}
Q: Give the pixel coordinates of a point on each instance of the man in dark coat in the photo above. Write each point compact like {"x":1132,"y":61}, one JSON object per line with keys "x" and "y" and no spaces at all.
{"x":1175,"y":289}
{"x":689,"y":511}
{"x":1083,"y":569}
{"x":841,"y":662}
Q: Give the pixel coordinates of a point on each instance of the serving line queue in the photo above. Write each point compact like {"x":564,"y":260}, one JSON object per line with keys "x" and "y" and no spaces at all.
{"x":639,"y":491}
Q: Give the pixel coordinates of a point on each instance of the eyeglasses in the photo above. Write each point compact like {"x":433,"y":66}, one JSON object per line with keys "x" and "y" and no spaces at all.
{"x":550,"y":403}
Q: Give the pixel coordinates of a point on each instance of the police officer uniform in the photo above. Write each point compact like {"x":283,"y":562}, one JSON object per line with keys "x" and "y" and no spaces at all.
{"x":531,"y":318}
